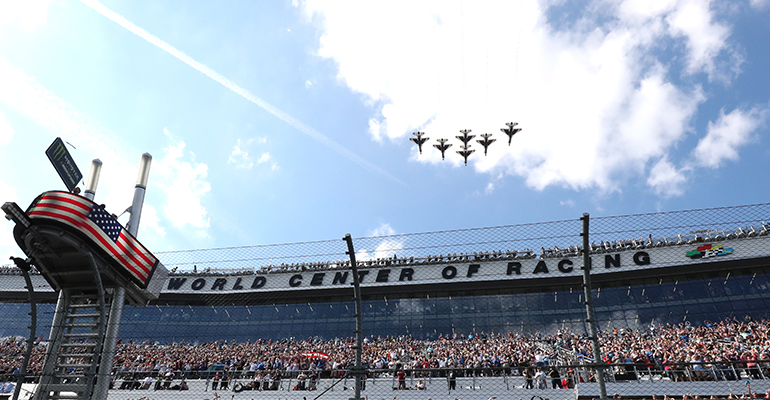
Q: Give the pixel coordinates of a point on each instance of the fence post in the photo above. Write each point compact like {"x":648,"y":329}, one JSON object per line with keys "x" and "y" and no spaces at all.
{"x":358,"y":370}
{"x":590,"y":315}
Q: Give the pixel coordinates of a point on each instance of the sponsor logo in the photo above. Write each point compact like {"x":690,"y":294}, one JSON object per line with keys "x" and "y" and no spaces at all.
{"x":709,"y":250}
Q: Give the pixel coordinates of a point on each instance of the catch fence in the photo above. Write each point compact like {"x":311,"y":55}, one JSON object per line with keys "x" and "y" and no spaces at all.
{"x":681,"y":303}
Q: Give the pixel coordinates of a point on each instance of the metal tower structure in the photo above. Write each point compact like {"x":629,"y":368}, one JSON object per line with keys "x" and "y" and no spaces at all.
{"x":95,"y":265}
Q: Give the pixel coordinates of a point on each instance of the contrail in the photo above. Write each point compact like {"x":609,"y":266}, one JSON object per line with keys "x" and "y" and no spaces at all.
{"x":120,"y":20}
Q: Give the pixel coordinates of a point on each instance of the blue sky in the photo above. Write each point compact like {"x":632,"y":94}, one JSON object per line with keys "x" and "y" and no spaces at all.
{"x":273,"y":122}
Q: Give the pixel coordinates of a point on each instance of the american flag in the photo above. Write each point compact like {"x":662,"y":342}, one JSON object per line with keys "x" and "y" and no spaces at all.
{"x":98,"y":225}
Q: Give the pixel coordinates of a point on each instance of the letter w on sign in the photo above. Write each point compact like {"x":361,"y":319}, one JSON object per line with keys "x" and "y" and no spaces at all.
{"x":91,"y":220}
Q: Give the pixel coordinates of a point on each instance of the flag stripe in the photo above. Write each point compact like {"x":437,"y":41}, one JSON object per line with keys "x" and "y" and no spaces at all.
{"x":133,"y":260}
{"x":93,"y":234}
{"x":106,"y":244}
{"x":83,"y":214}
{"x":134,"y":246}
{"x":59,"y":209}
{"x":85,"y":206}
{"x":137,"y":253}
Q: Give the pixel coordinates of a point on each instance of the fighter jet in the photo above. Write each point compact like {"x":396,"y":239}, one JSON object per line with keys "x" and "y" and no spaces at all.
{"x":465,"y":152}
{"x":486,"y":142}
{"x":419,"y":140}
{"x":510,"y":131}
{"x":442,"y":146}
{"x":465,"y":138}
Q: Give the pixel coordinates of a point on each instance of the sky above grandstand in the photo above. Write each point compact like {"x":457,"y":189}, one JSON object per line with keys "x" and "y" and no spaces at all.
{"x":288,"y":121}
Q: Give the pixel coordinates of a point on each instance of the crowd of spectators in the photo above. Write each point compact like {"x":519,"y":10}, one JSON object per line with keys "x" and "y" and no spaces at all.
{"x":709,"y":351}
{"x":723,"y":350}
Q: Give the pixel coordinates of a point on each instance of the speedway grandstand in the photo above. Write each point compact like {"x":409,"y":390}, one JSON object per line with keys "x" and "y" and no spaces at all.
{"x":681,"y":301}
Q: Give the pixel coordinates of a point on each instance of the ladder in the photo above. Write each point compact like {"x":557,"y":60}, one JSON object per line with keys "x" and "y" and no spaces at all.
{"x":72,"y":359}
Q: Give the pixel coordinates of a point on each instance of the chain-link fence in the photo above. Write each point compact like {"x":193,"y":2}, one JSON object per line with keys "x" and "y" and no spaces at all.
{"x":553,"y":380}
{"x":681,"y":302}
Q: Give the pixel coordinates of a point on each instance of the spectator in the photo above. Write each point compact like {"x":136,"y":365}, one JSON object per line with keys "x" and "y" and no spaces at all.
{"x":401,"y":380}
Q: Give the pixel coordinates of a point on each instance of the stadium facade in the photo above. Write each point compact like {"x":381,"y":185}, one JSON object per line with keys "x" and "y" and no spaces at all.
{"x":687,"y":280}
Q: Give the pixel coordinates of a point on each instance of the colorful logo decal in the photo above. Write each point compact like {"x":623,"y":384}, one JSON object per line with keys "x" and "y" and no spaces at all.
{"x":710,"y":250}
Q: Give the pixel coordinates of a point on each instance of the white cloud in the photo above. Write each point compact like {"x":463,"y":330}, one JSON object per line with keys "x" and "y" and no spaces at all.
{"x":363,"y":255}
{"x":29,"y":14}
{"x":240,"y":157}
{"x":666,"y":180}
{"x":385,"y":248}
{"x":383,"y":230}
{"x":282,"y":115}
{"x":375,"y":129}
{"x":151,"y":221}
{"x":23,"y":94}
{"x":489,"y":189}
{"x":388,"y":248}
{"x":595,"y":99}
{"x":705,"y":38}
{"x":8,"y":247}
{"x":727,"y":135}
{"x":243,"y":160}
{"x":6,"y":132}
{"x":760,"y":4}
{"x":265,"y":157}
{"x":184,"y":183}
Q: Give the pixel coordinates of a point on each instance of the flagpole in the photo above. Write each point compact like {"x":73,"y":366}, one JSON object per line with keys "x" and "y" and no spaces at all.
{"x":119,"y":293}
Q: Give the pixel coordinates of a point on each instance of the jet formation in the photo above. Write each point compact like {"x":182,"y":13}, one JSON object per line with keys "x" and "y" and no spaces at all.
{"x":465,"y":148}
{"x":419,"y":140}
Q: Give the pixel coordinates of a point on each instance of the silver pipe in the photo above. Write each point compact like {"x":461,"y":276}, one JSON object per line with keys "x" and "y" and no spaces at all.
{"x":144,"y":170}
{"x":139,"y":191}
{"x":110,"y":343}
{"x":93,"y":179}
{"x":119,"y":293}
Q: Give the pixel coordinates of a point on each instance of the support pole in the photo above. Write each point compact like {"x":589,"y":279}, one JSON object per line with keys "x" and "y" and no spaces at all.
{"x":54,"y":341}
{"x":591,"y":316}
{"x":119,"y":293}
{"x":358,"y":370}
{"x":139,"y":191}
{"x":24,"y":266}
